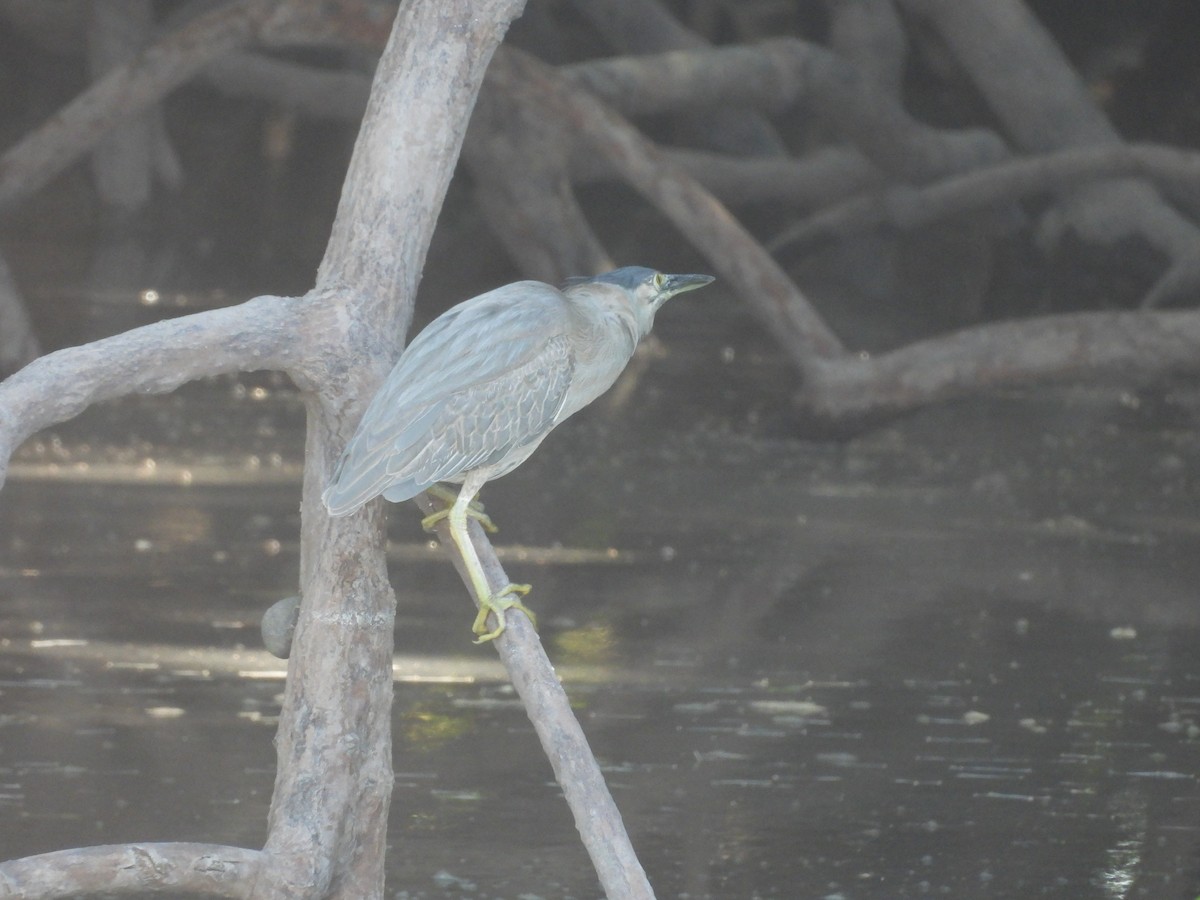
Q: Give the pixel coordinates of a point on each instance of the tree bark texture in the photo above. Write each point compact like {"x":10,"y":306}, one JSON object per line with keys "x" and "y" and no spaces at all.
{"x":329,"y":811}
{"x":328,"y":816}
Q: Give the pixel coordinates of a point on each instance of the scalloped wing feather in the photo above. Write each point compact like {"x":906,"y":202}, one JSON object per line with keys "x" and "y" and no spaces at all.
{"x":483,"y":381}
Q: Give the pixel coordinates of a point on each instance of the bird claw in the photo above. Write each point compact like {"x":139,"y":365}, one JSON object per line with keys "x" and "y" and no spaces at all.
{"x":474,"y":511}
{"x":500,"y":602}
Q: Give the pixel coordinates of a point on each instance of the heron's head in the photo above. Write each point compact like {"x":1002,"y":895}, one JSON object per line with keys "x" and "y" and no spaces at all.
{"x":639,"y":290}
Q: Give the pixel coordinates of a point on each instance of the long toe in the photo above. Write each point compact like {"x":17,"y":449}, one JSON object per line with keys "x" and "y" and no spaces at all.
{"x":431,"y":520}
{"x":482,"y":518}
{"x":499,"y":603}
{"x":473,"y":512}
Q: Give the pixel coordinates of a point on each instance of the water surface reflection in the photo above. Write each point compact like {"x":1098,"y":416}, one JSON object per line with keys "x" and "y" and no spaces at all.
{"x":956,"y":657}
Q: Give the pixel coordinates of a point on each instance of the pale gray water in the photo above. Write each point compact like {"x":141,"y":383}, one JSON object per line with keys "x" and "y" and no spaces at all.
{"x":956,"y":657}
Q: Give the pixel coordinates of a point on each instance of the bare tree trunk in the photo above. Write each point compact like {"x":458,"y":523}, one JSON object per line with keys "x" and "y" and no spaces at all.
{"x":329,"y":812}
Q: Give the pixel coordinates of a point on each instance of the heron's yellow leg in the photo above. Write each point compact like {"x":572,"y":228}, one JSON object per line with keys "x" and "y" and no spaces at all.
{"x":447,"y":496}
{"x":498,"y":603}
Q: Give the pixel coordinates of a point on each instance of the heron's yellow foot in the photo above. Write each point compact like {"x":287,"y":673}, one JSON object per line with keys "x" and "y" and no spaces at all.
{"x":499,"y":603}
{"x":474,"y":511}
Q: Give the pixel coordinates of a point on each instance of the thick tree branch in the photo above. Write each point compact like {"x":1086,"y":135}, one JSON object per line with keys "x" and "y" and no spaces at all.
{"x":177,"y":869}
{"x":335,"y":725}
{"x":854,"y":389}
{"x":258,"y":334}
{"x":1019,"y":68}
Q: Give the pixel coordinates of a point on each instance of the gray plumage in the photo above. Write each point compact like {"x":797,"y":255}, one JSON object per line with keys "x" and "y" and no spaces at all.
{"x":475,"y":393}
{"x":480,"y":387}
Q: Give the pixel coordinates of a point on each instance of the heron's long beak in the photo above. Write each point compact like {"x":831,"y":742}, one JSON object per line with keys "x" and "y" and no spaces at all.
{"x":677,"y":284}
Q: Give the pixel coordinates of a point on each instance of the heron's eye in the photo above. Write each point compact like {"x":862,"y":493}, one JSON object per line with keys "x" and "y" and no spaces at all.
{"x":658,"y":279}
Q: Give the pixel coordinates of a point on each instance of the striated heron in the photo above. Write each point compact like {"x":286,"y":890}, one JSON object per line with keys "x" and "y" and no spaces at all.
{"x":477,"y":390}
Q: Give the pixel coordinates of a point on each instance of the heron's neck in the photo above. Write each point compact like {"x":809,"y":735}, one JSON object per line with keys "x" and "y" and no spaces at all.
{"x":624,"y":326}
{"x":611,"y":330}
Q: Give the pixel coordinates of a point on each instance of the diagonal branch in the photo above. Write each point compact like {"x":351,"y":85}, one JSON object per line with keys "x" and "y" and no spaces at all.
{"x":596,"y":815}
{"x":732,"y":250}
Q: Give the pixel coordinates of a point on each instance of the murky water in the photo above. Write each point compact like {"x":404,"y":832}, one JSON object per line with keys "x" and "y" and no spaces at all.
{"x":957,"y":657}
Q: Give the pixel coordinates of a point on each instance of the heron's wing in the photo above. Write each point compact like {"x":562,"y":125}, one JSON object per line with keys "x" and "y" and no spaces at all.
{"x":491,"y":421}
{"x":484,"y":379}
{"x":361,"y":473}
{"x":477,"y":340}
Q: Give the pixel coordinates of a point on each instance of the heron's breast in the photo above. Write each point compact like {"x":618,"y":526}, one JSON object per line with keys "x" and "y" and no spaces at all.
{"x":589,"y":381}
